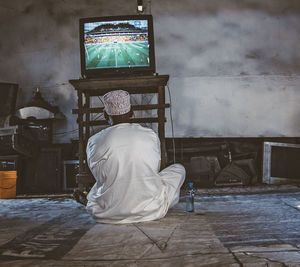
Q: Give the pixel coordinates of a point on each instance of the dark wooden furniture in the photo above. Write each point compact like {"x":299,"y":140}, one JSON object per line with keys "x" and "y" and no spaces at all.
{"x":42,"y":174}
{"x":88,"y":88}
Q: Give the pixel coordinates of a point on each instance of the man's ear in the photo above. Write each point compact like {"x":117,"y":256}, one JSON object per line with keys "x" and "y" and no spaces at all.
{"x":130,"y":112}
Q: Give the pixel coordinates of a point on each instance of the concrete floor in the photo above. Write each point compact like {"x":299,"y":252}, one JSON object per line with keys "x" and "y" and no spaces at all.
{"x":228,"y":229}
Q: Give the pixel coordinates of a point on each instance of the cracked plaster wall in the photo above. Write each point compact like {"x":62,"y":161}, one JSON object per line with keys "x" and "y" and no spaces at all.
{"x":234,"y":65}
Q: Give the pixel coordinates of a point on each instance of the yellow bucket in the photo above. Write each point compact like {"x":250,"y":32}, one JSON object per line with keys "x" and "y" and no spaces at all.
{"x":8,"y":182}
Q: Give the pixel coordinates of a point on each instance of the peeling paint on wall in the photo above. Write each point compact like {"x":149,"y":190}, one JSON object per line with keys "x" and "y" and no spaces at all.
{"x":235,"y":107}
{"x":203,"y":46}
{"x":229,"y":61}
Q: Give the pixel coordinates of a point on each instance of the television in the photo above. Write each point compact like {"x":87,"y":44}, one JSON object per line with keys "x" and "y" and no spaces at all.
{"x":116,"y":46}
{"x":281,"y":163}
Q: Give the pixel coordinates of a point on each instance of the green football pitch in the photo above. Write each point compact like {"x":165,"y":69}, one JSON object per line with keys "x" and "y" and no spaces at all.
{"x":117,"y":55}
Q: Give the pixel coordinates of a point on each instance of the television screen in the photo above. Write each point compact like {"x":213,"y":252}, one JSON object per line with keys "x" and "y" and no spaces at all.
{"x":117,"y":45}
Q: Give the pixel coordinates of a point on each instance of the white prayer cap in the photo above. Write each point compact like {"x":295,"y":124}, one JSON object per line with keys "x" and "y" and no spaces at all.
{"x":117,"y":102}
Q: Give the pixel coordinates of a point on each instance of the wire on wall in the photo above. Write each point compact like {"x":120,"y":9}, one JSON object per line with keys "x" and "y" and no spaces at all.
{"x":101,"y":100}
{"x":172,"y":126}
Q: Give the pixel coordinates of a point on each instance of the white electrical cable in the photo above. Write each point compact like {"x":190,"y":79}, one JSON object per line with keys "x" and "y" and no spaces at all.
{"x":172,"y":126}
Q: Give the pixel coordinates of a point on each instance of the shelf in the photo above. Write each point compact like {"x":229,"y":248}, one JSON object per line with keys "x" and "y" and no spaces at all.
{"x":88,"y":88}
{"x":134,"y":107}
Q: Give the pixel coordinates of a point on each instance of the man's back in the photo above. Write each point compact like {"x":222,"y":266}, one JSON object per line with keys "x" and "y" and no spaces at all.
{"x":125,"y":161}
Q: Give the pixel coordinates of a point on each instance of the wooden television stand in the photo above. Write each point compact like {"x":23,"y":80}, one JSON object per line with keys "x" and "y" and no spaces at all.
{"x":88,"y":88}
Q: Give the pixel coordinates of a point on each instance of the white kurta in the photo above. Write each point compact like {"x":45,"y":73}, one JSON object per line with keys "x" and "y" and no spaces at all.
{"x":125,"y":161}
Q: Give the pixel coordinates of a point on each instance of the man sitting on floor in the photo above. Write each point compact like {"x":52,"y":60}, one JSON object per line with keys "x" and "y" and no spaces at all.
{"x":125,"y":161}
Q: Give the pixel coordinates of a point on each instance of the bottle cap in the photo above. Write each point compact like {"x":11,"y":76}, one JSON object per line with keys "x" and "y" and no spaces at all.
{"x":190,"y":184}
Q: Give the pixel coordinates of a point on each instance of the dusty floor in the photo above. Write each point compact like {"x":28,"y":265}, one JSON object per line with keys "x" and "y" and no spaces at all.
{"x":240,"y":229}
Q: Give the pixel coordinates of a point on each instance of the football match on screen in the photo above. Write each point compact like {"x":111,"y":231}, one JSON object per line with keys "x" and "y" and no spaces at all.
{"x":116,"y":44}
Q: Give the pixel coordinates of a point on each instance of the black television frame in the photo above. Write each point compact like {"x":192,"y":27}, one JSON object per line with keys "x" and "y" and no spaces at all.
{"x":122,"y":71}
{"x":268,"y":176}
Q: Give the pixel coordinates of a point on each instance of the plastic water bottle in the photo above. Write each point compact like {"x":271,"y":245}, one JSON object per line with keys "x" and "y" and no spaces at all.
{"x":229,"y":157}
{"x":189,"y":197}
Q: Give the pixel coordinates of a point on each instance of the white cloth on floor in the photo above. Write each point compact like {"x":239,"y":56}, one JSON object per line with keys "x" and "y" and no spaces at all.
{"x":125,"y":161}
